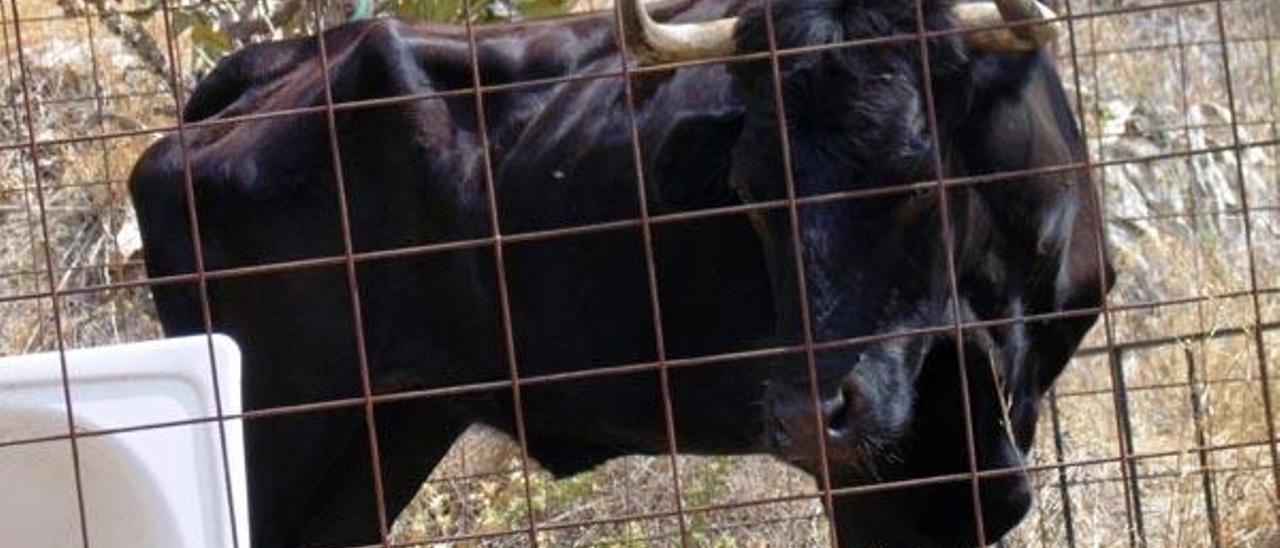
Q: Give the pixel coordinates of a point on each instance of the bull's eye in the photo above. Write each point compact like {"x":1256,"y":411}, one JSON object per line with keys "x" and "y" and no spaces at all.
{"x":917,"y":145}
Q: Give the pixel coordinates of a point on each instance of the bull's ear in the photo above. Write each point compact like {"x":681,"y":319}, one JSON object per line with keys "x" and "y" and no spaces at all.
{"x":1081,"y":277}
{"x":1055,"y":208}
{"x":1084,"y":273}
{"x":1021,"y":121}
{"x":691,"y":167}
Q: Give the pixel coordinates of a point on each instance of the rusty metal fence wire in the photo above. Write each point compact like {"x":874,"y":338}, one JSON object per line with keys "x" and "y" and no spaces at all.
{"x":1162,"y":432}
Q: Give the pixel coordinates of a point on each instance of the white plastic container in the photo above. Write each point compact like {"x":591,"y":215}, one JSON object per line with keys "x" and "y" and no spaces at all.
{"x":162,"y":487}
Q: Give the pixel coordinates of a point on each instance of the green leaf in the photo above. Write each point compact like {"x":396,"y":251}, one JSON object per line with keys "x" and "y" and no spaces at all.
{"x":184,"y":19}
{"x":541,"y":8}
{"x":210,"y":41}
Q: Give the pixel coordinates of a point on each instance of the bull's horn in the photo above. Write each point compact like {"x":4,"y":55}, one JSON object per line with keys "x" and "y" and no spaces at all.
{"x":654,"y":42}
{"x":988,"y":22}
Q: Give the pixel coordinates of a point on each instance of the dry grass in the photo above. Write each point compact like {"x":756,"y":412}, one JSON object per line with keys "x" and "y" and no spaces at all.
{"x":75,"y":85}
{"x":1134,"y":106}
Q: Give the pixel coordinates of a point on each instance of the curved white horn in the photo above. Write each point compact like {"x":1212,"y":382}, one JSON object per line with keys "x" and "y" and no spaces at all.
{"x":988,"y":19}
{"x":654,"y":42}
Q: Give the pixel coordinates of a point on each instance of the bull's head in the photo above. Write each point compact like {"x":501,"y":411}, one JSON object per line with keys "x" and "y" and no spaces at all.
{"x":894,"y":272}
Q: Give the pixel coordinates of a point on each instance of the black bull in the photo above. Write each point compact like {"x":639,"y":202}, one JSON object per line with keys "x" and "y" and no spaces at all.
{"x":561,"y":155}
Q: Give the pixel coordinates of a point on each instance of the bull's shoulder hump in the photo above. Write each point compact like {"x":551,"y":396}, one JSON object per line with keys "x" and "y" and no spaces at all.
{"x":243,"y":78}
{"x":237,"y":73}
{"x":387,"y":57}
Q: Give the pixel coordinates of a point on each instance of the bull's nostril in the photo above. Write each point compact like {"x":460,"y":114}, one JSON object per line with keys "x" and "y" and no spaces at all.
{"x":839,"y":413}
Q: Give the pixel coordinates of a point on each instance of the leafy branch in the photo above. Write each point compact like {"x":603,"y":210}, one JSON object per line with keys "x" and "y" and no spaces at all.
{"x":213,"y":28}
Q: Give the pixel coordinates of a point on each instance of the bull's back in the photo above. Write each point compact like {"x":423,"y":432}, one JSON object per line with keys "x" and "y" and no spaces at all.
{"x":266,"y":194}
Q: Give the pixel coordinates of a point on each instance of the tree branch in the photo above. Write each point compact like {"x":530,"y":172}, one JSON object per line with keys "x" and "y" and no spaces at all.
{"x":132,"y":33}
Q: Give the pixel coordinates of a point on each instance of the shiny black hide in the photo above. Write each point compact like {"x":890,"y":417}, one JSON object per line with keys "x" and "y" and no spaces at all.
{"x":429,"y":309}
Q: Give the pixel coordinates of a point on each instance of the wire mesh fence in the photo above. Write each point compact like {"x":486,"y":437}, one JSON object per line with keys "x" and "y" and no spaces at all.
{"x":1161,"y":430}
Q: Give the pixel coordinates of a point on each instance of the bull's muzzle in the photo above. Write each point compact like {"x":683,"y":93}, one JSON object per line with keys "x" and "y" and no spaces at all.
{"x":858,"y":416}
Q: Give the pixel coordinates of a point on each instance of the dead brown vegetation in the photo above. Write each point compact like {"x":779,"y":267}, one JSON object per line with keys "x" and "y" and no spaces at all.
{"x":1177,"y":232}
